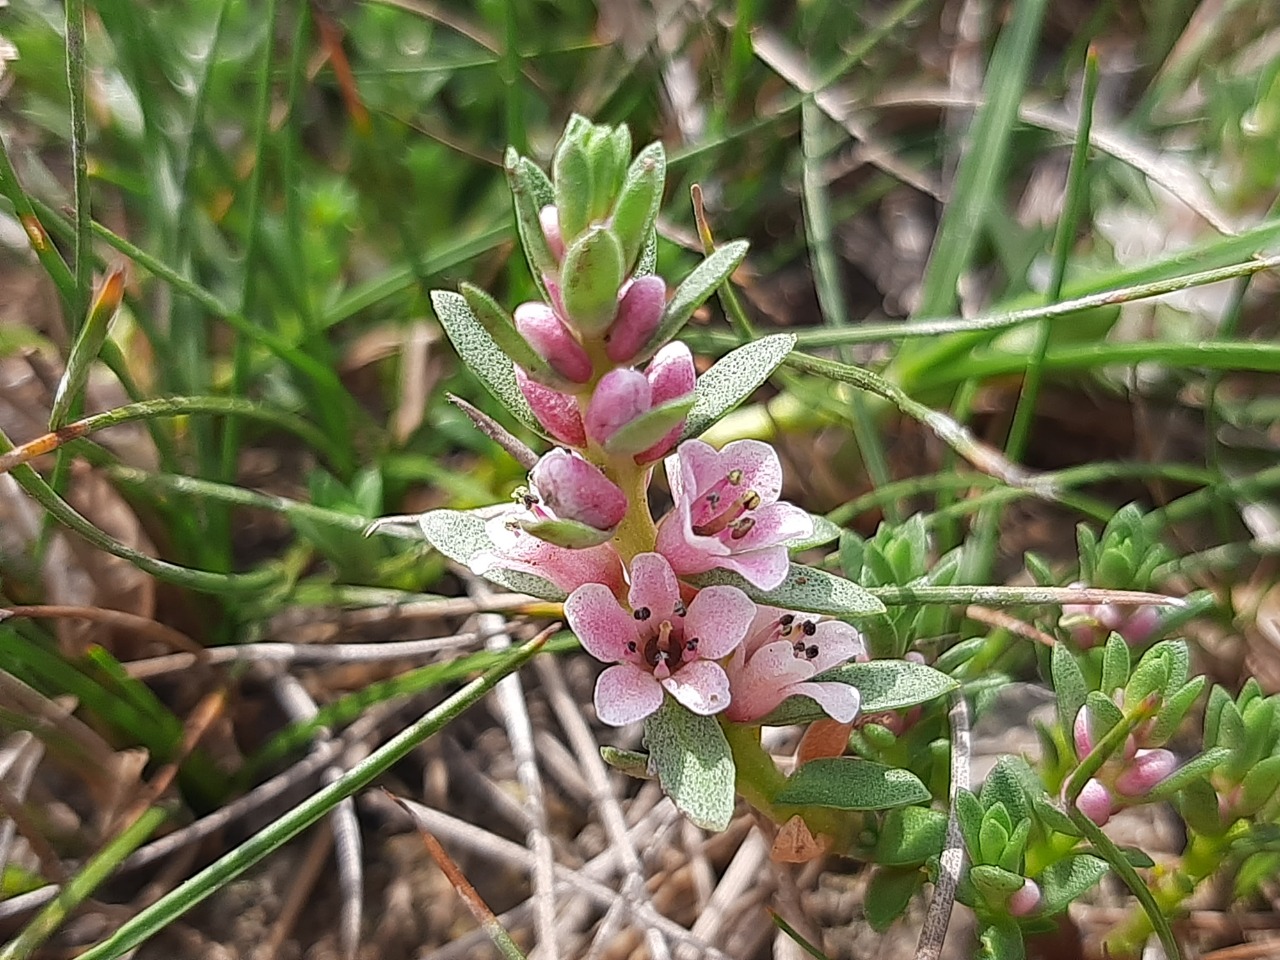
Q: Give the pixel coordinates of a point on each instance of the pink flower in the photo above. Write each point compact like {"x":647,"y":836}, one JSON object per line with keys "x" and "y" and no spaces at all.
{"x":1095,"y":802}
{"x":658,"y":644}
{"x":1026,"y":900}
{"x":727,"y":512}
{"x":783,"y":651}
{"x":625,"y":395}
{"x":1147,"y":768}
{"x":639,"y":313}
{"x":550,"y":338}
{"x":567,"y":569}
{"x":556,"y":411}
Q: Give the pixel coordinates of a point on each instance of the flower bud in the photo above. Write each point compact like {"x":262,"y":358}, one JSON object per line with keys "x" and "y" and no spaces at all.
{"x":671,"y":375}
{"x":556,"y":411}
{"x":1082,"y":735}
{"x":639,"y":312}
{"x":573,"y":489}
{"x":1025,"y":901}
{"x":1147,"y":769}
{"x":549,"y":218}
{"x":1095,"y":802}
{"x":1140,"y":625}
{"x":544,"y":331}
{"x":620,"y":397}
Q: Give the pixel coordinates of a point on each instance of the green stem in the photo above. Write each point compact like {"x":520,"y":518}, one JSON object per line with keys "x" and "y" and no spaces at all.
{"x":637,"y":533}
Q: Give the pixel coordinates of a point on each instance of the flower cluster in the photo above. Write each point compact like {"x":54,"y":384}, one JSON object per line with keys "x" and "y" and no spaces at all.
{"x":1124,"y":779}
{"x":596,"y":363}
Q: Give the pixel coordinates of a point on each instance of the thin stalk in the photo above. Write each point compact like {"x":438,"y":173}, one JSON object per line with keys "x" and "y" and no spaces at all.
{"x":82,"y":254}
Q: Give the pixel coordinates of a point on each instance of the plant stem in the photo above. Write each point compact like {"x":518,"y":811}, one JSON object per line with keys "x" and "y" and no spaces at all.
{"x":637,"y":533}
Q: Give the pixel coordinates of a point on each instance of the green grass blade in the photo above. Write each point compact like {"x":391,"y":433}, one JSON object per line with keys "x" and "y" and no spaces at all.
{"x":81,"y":254}
{"x":174,"y":904}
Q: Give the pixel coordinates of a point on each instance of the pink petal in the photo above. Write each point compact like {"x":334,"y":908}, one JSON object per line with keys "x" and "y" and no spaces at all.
{"x":758,"y":461}
{"x":719,"y":617}
{"x":774,"y":523}
{"x":839,"y":700}
{"x":625,"y":694}
{"x":653,"y":585}
{"x":688,"y":552}
{"x":837,"y":643}
{"x":698,"y":467}
{"x":604,"y":628}
{"x":765,"y":568}
{"x":765,"y":680}
{"x":702,"y":686}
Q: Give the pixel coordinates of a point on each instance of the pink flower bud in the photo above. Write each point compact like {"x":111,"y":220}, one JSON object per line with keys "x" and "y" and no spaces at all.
{"x":549,"y":217}
{"x":1025,"y":901}
{"x":574,"y":489}
{"x":1140,"y":625}
{"x":552,"y":341}
{"x":671,"y":375}
{"x":1083,"y":737}
{"x":556,"y":411}
{"x":620,"y":397}
{"x":639,"y":312}
{"x":1095,"y":802}
{"x":1147,"y":769}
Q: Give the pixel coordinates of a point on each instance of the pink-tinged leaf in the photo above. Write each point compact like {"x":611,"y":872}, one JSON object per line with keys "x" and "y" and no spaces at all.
{"x":625,"y":694}
{"x":702,"y":686}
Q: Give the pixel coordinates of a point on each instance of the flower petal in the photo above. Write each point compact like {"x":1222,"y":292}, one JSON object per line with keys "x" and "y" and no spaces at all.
{"x":625,"y":694}
{"x":671,"y":373}
{"x":556,"y":411}
{"x":719,"y":617}
{"x":837,"y":643}
{"x":775,"y":523}
{"x":604,"y":628}
{"x":758,"y":461}
{"x":839,"y":700}
{"x":702,"y":686}
{"x":765,"y":568}
{"x":654,"y":585}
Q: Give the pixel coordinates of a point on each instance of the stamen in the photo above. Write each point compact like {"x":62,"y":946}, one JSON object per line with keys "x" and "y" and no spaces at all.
{"x":632,"y":647}
{"x":811,"y":651}
{"x":691,"y":644}
{"x":809,"y":628}
{"x":679,"y":609}
{"x":641,"y":613}
{"x":741,"y":528}
{"x":734,"y":477}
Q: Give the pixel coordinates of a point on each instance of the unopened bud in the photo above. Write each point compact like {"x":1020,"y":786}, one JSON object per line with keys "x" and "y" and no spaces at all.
{"x":556,"y":411}
{"x":549,"y":218}
{"x":1145,"y":770}
{"x":1026,"y":901}
{"x":620,"y":397}
{"x":551,"y":339}
{"x":1140,"y":625}
{"x":1095,"y":802}
{"x":574,"y":489}
{"x":671,"y":375}
{"x":639,"y":313}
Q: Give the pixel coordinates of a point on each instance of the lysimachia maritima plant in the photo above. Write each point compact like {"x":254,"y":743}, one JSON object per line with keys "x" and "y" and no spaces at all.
{"x":710,"y":630}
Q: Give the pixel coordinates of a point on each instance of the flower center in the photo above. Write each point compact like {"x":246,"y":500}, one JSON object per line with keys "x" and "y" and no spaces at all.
{"x":725,"y":507}
{"x":666,"y":649}
{"x":798,"y":631}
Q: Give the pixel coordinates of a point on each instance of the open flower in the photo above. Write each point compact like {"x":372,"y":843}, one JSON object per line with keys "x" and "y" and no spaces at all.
{"x":782,"y":653}
{"x":727,"y":512}
{"x":658,"y":644}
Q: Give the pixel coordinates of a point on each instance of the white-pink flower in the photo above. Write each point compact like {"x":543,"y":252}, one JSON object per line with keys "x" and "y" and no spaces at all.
{"x":727,"y":512}
{"x":781,"y":655}
{"x":658,"y":644}
{"x":566,"y":568}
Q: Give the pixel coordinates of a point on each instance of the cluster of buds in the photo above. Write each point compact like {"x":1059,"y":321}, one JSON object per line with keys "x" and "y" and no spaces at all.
{"x":595,"y":362}
{"x":1242,"y":736}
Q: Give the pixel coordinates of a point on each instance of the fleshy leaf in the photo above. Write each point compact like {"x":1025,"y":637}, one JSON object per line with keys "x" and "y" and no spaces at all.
{"x":697,"y":286}
{"x":888,"y":895}
{"x":485,"y":358}
{"x":994,"y":882}
{"x":498,"y":324}
{"x":806,"y":589}
{"x":847,"y":783}
{"x":693,"y":763}
{"x":648,"y":428}
{"x":883,"y":684}
{"x":571,"y":172}
{"x":647,"y":264}
{"x":566,"y":533}
{"x":590,"y":278}
{"x":1065,"y":880}
{"x":910,"y":835}
{"x":1052,"y":816}
{"x":734,"y":377}
{"x":530,"y":192}
{"x":631,"y":762}
{"x":637,"y":206}
{"x":1001,"y":941}
{"x":1068,"y":685}
{"x":1193,"y":769}
{"x":461,"y":536}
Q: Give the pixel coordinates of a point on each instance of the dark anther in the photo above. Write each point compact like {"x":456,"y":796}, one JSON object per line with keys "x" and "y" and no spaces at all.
{"x":787,"y":619}
{"x":691,"y":644}
{"x":811,"y":651}
{"x":631,"y":646}
{"x":641,"y":613}
{"x":679,"y":609}
{"x":809,"y":628}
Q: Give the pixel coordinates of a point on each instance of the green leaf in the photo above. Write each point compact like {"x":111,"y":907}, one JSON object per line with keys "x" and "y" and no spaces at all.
{"x":637,"y":207}
{"x":1001,"y":941}
{"x":883,"y":684}
{"x":530,"y":192}
{"x":806,"y":589}
{"x":1068,"y":685}
{"x":648,"y":428}
{"x":969,"y":814}
{"x":910,"y":835}
{"x":1150,"y":676}
{"x":1007,"y":783}
{"x":992,"y":839}
{"x":631,"y":762}
{"x":847,"y":783}
{"x":571,"y":174}
{"x":1103,"y":714}
{"x":1115,"y":664}
{"x":498,"y":324}
{"x":1051,"y":815}
{"x":1175,"y":710}
{"x":485,"y":358}
{"x":1194,"y":769}
{"x":1067,"y":879}
{"x":1260,"y":784}
{"x":572,"y":534}
{"x":824,"y":531}
{"x":734,"y":378}
{"x":693,"y":763}
{"x":1015,"y":847}
{"x":591,"y":276}
{"x":995,"y":883}
{"x":697,"y":286}
{"x":87,"y":347}
{"x":888,"y":895}
{"x":461,"y":536}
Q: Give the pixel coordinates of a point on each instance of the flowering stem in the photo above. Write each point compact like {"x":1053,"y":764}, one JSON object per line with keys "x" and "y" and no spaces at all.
{"x":637,"y":533}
